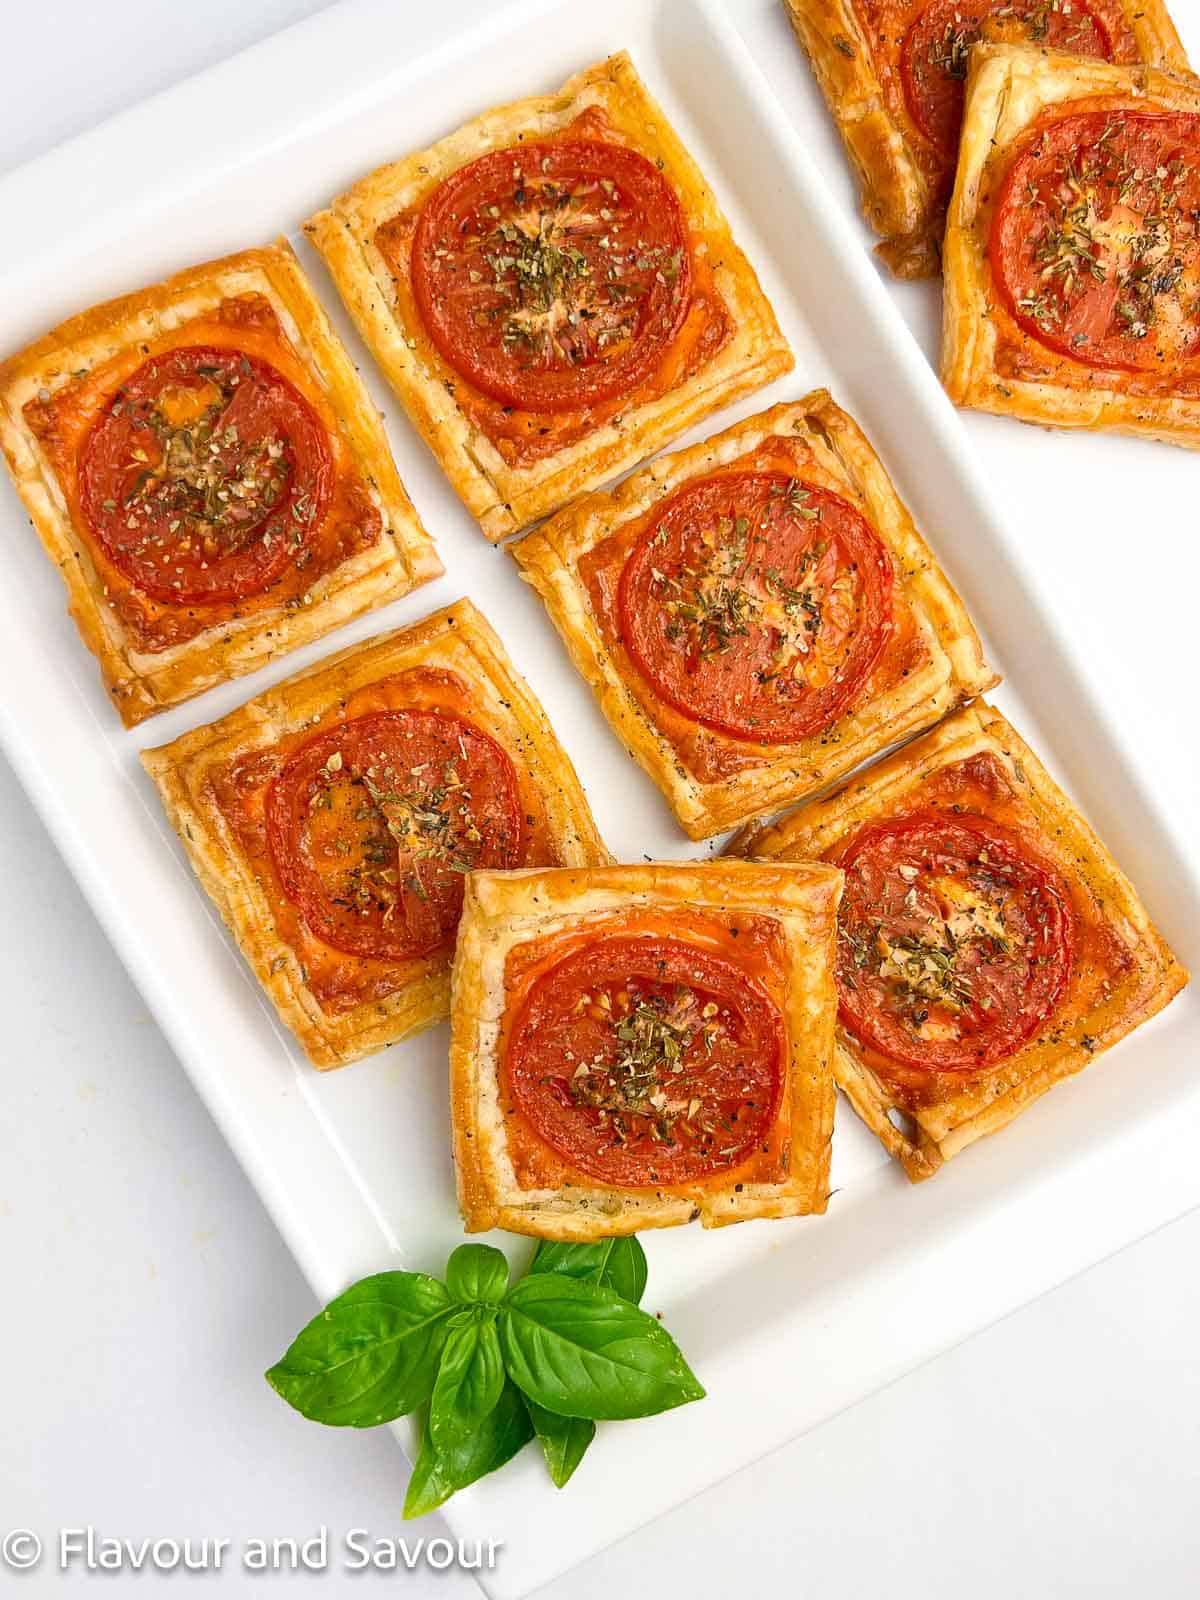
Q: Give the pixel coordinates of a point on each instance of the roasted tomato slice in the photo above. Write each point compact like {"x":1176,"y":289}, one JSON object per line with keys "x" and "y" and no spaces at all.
{"x":553,"y":276}
{"x":373,"y":823}
{"x":933,"y":57}
{"x":757,"y":604}
{"x":205,"y":475}
{"x":643,"y":1061}
{"x":1095,"y":238}
{"x":955,"y":942}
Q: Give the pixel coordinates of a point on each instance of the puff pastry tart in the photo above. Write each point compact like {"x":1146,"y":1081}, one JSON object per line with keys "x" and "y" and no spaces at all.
{"x":988,"y":944}
{"x":333,"y":818}
{"x":206,"y":471}
{"x":634,"y":1047}
{"x":553,"y":293}
{"x":893,"y":74}
{"x":756,"y":614}
{"x":1073,"y":247}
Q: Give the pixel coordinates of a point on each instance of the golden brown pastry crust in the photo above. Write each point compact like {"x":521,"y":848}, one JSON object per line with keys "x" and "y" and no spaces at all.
{"x":1007,"y":89}
{"x":505,"y":910}
{"x":1079,"y":1029}
{"x":458,"y":640}
{"x":501,"y":497}
{"x":140,"y":681}
{"x":902,"y":198}
{"x":947,"y":666}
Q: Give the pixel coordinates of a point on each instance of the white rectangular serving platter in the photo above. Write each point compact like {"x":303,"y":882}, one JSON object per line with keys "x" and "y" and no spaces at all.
{"x":785,"y":1322}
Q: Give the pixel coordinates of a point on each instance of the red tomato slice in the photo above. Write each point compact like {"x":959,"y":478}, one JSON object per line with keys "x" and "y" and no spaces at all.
{"x":954,"y":945}
{"x":646,"y":1061}
{"x":1095,"y":239}
{"x":372,"y":824}
{"x":204,"y":476}
{"x":757,"y":604}
{"x":933,"y":57}
{"x":553,"y":276}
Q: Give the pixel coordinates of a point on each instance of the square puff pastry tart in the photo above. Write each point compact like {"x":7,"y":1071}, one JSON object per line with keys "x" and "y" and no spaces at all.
{"x":1019,"y":873}
{"x":523,"y":357}
{"x":1027,"y":334}
{"x":638,"y":1046}
{"x":891,"y":72}
{"x":682,"y":696}
{"x":205,"y":469}
{"x":331,"y":821}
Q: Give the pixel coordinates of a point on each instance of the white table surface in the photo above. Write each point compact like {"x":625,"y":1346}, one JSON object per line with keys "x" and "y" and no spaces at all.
{"x":145,"y":1288}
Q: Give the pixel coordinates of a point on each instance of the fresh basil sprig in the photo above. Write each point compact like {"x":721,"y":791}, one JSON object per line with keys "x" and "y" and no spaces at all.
{"x":558,"y":1351}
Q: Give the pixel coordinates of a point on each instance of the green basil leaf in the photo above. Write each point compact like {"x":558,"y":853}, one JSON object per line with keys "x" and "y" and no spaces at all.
{"x":616,"y":1264}
{"x":437,"y":1475}
{"x":583,"y":1351}
{"x":371,"y":1355}
{"x":477,"y":1272}
{"x":564,"y":1440}
{"x":427,"y":1489}
{"x":469,"y":1380}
